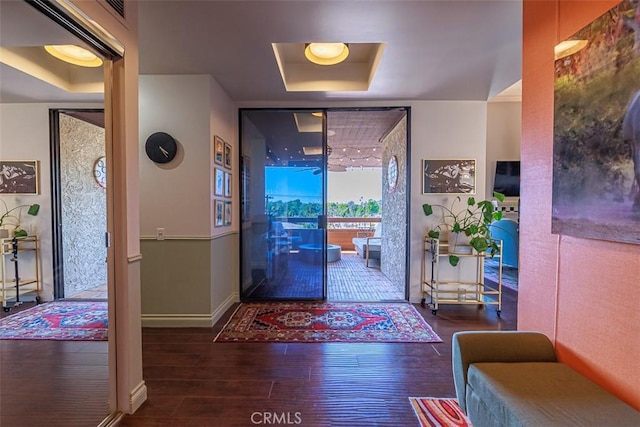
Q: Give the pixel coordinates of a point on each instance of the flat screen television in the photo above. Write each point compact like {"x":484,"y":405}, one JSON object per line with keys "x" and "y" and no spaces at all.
{"x":507,"y":178}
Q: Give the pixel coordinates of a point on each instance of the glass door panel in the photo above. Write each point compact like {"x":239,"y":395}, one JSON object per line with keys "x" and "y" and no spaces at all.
{"x":283,"y":237}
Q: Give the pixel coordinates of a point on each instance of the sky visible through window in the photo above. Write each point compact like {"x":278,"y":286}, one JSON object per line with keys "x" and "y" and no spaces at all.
{"x":287,"y":183}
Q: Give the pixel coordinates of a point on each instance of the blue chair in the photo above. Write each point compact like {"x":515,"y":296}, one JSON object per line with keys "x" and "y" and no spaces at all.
{"x":507,"y":231}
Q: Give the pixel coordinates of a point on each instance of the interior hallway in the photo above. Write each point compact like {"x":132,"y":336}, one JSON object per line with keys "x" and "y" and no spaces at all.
{"x":194,"y":382}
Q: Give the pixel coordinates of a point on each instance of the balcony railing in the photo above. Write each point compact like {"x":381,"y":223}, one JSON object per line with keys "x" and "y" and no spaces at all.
{"x":340,"y":231}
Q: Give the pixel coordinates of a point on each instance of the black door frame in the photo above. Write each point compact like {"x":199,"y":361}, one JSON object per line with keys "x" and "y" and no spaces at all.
{"x":56,"y":195}
{"x":407,"y":109}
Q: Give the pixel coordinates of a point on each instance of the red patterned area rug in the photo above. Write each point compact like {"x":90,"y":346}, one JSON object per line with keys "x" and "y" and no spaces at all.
{"x":327,"y":322}
{"x":434,"y":412}
{"x":58,"y":320}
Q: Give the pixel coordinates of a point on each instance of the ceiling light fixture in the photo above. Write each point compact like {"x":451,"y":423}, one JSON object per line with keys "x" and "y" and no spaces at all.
{"x":317,"y":114}
{"x":326,"y":53}
{"x":73,"y":54}
{"x":568,"y":47}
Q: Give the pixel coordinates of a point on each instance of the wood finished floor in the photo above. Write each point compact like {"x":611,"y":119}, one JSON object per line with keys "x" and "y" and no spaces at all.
{"x":348,"y":279}
{"x":194,"y":382}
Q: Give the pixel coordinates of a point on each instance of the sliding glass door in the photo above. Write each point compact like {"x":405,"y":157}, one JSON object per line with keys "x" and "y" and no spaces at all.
{"x":283,"y":236}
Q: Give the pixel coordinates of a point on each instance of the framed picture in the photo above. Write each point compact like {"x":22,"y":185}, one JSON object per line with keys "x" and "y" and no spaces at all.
{"x":596,"y":176}
{"x":219,"y":213}
{"x":19,"y":177}
{"x":227,"y":184}
{"x":219,"y":182}
{"x":218,"y":150}
{"x":227,"y":213}
{"x":227,"y":155}
{"x":449,"y":176}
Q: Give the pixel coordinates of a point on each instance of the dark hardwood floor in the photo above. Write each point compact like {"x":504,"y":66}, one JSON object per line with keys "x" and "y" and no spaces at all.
{"x":194,"y":382}
{"x":53,"y":383}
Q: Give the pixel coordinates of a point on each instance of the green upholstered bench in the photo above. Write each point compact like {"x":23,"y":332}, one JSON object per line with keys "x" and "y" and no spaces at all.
{"x":512,"y":378}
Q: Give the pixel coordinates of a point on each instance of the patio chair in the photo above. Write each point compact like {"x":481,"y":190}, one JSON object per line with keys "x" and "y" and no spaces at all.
{"x":369,"y":247}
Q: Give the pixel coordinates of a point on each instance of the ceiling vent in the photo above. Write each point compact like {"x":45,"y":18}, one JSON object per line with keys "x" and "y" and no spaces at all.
{"x":117,"y":5}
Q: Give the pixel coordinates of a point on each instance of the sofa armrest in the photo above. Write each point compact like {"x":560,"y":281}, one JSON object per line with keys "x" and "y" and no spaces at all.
{"x":495,"y":346}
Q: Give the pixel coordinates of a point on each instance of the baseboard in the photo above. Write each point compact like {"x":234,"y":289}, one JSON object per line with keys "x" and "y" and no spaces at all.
{"x":177,"y":320}
{"x":138,"y":397}
{"x":189,"y":320}
{"x":222,"y":308}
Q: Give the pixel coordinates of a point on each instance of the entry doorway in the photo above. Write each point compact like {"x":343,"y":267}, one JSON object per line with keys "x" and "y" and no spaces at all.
{"x":298,"y":237}
{"x":367,"y":212}
{"x":80,"y":200}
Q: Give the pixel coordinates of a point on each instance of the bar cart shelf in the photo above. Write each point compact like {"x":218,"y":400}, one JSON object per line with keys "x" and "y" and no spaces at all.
{"x":475,"y":291}
{"x":19,"y":271}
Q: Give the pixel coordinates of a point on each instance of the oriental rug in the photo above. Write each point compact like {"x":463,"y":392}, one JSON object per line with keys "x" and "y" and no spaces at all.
{"x":435,"y":412}
{"x":58,"y":320}
{"x":326,"y":322}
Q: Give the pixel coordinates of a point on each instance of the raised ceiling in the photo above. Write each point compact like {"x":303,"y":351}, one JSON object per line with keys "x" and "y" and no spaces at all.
{"x":434,"y":50}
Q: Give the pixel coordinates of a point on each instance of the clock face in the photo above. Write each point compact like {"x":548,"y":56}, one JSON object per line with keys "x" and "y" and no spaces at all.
{"x":161,"y":147}
{"x":392,"y":173}
{"x":100,"y":171}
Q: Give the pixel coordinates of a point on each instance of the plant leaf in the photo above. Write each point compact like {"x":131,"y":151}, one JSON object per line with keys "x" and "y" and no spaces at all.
{"x":453,"y":260}
{"x":428,"y":209}
{"x":498,"y":196}
{"x":20,"y":233}
{"x":433,"y":234}
{"x":34,"y":209}
{"x":479,"y":244}
{"x":471,"y":201}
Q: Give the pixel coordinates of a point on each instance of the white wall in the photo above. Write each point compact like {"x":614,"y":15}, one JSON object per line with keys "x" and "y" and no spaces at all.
{"x":504,"y":133}
{"x":24,"y":135}
{"x":439,"y":129}
{"x":176,"y":196}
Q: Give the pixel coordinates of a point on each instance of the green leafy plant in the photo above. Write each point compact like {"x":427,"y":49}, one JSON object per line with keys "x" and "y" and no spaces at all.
{"x":11,"y":217}
{"x":473,"y":221}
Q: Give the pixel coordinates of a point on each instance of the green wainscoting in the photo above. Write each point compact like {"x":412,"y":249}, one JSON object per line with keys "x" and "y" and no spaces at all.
{"x":188,"y":281}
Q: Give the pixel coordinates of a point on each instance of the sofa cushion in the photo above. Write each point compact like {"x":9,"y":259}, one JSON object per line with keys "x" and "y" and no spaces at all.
{"x":542,"y":394}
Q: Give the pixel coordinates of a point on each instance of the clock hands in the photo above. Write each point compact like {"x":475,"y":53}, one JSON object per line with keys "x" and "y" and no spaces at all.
{"x":165,"y":152}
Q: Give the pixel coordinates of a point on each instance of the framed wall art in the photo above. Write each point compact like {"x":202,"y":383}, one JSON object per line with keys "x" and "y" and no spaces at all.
{"x":19,"y":177}
{"x":596,"y":177}
{"x":227,"y":155}
{"x":218,"y":150}
{"x":218,"y":219}
{"x":227,"y":184}
{"x":227,"y":213}
{"x":448,"y":176}
{"x":219,"y":182}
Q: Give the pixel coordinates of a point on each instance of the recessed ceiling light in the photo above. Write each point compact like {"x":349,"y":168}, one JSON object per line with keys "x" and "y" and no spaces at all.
{"x":326,"y":53}
{"x":73,"y":54}
{"x":568,"y":47}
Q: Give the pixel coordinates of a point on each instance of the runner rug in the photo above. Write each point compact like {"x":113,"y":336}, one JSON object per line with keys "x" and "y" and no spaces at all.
{"x":58,"y":320}
{"x":436,"y":412}
{"x":327,"y":322}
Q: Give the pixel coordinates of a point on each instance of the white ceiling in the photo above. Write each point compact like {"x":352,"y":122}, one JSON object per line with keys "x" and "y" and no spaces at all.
{"x":434,"y":50}
{"x":456,"y":50}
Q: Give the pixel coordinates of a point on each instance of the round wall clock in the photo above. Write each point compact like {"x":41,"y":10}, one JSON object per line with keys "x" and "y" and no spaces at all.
{"x":392,"y":173}
{"x":100,"y":171}
{"x":161,"y":147}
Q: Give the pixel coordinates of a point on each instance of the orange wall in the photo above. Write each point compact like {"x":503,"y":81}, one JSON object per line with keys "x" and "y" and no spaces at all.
{"x":584,"y":294}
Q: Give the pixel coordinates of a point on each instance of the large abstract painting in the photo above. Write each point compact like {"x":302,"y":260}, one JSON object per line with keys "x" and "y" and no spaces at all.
{"x":596,"y":148}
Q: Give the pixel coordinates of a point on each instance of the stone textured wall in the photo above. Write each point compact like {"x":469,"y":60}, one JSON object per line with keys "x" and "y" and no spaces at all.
{"x":394,"y":207}
{"x":84,"y":219}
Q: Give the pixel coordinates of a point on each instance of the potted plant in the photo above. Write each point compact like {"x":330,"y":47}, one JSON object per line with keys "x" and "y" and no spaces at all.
{"x":11,"y":217}
{"x":472,"y":222}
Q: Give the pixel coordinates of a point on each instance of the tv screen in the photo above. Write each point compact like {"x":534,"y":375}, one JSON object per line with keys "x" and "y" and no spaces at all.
{"x":507,"y":179}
